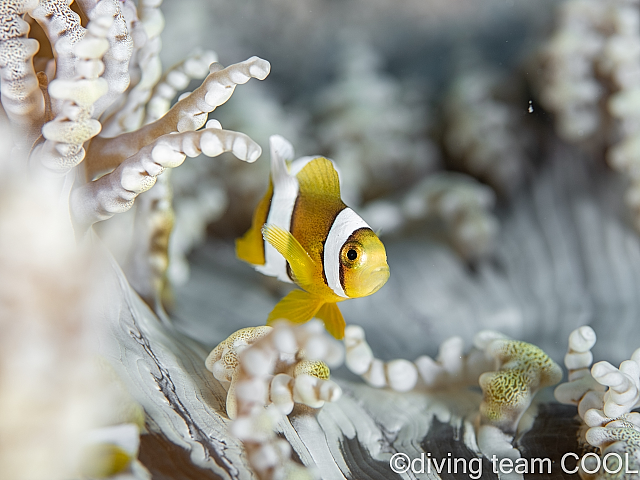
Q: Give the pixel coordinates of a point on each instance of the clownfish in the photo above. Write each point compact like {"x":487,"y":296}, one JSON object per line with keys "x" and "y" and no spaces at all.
{"x":303,"y":233}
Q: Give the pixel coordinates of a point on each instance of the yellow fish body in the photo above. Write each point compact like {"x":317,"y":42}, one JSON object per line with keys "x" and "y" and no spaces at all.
{"x":302,"y":232}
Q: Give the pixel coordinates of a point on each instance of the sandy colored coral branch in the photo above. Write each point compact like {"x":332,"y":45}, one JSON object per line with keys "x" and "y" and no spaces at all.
{"x":63,"y":28}
{"x":22,"y":99}
{"x":116,"y":59}
{"x":188,"y":114}
{"x":152,"y":230}
{"x":590,"y":83}
{"x":148,"y":69}
{"x":154,"y":220}
{"x":115,"y":192}
{"x":624,"y":386}
{"x":73,"y":125}
{"x":196,"y":65}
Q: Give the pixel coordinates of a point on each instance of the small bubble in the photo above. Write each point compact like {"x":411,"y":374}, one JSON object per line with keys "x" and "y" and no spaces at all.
{"x":530,"y":107}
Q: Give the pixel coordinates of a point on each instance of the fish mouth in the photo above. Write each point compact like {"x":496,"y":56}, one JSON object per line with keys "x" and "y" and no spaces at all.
{"x":384,"y":270}
{"x":377,"y":278}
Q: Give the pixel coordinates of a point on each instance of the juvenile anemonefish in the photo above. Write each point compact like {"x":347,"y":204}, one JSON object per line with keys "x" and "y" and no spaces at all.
{"x":302,"y":232}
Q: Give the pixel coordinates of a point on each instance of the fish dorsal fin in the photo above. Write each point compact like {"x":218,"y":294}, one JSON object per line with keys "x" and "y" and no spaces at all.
{"x":297,"y":307}
{"x":319,"y":177}
{"x":302,"y":265}
{"x":333,"y":320}
{"x":281,"y":153}
{"x":281,"y":147}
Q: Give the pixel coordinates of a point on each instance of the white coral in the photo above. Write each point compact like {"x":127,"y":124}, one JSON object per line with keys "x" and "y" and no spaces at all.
{"x":283,"y":358}
{"x":454,"y":202}
{"x":593,"y":61}
{"x":279,"y":366}
{"x":614,"y":428}
{"x":452,"y":368}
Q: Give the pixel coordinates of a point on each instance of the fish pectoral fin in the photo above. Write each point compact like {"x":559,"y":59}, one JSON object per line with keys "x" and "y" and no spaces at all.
{"x":333,"y":320}
{"x":302,"y":265}
{"x":298,"y":307}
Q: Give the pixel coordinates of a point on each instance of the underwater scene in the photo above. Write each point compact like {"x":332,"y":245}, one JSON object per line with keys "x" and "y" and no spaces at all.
{"x":319,"y":239}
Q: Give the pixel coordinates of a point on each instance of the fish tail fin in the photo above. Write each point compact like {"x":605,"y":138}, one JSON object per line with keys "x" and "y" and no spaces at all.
{"x":333,"y":320}
{"x":297,"y":307}
{"x":250,"y":247}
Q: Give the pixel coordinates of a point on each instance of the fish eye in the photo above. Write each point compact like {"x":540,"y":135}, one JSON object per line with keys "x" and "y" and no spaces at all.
{"x":352,"y":254}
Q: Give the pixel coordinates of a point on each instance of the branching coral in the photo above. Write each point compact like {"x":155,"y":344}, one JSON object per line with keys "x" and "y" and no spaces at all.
{"x":90,"y":85}
{"x":176,"y":79}
{"x":613,"y":427}
{"x":570,"y":89}
{"x":483,"y":133}
{"x":54,"y":394}
{"x":289,"y":369}
{"x":189,"y":114}
{"x":154,"y":220}
{"x":73,"y":125}
{"x":145,"y":67}
{"x":508,"y":371}
{"x":377,"y":152}
{"x":522,"y":369}
{"x":116,"y":192}
{"x":22,"y":98}
{"x":279,"y":366}
{"x":592,"y":67}
{"x":581,"y":386}
{"x":450,"y":369}
{"x":79,"y":178}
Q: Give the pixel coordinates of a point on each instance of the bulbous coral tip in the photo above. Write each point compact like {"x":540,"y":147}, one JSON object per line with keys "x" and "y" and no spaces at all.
{"x":75,"y":133}
{"x":582,"y":339}
{"x":623,"y":383}
{"x":84,"y":92}
{"x":605,"y":436}
{"x":259,"y":68}
{"x":359,"y":355}
{"x":523,"y":369}
{"x":253,"y":153}
{"x":402,"y":375}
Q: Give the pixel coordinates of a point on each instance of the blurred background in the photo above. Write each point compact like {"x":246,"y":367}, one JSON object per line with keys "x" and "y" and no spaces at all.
{"x":493,"y":145}
{"x":476,"y":136}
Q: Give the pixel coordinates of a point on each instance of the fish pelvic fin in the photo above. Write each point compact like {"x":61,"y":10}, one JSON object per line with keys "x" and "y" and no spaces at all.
{"x":302,"y":265}
{"x":298,"y":307}
{"x":319,"y":177}
{"x":333,"y":320}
